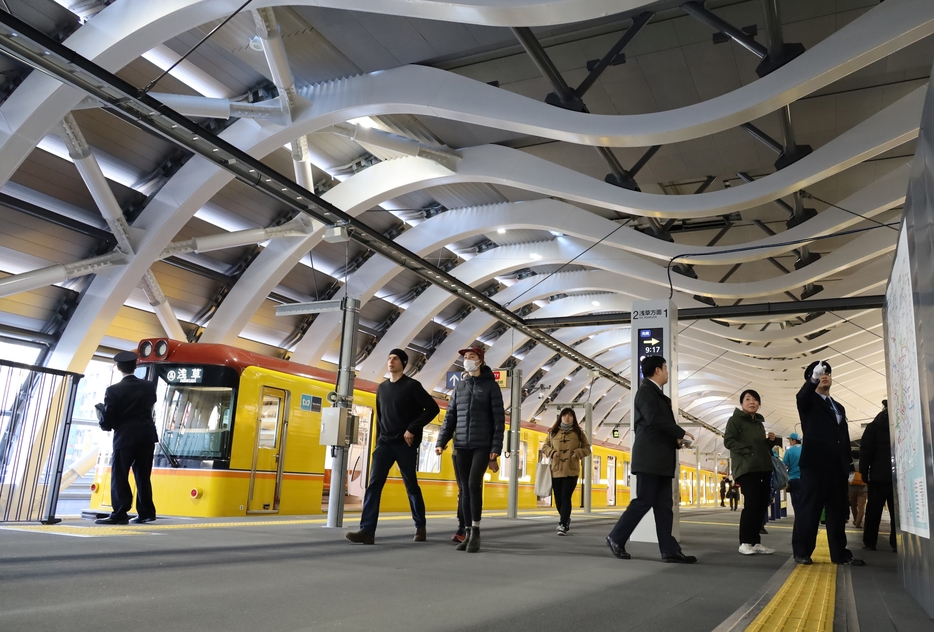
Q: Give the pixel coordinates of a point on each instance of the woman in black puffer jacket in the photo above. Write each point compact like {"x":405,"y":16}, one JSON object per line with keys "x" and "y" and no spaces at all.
{"x":476,"y":419}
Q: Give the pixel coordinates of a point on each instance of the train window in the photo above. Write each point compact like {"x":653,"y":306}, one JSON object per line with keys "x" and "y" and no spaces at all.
{"x":194,"y":421}
{"x":428,"y":461}
{"x":504,"y":465}
{"x":596,"y":470}
{"x":269,"y":421}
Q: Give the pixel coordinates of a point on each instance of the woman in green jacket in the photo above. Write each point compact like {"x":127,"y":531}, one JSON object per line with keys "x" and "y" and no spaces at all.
{"x":749,"y":448}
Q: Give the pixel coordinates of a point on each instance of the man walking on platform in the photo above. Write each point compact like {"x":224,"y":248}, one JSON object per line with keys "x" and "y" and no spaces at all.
{"x":127,"y":411}
{"x":875,"y":465}
{"x":403,"y":409}
{"x":725,"y":485}
{"x":654,"y":459}
{"x":824,"y":463}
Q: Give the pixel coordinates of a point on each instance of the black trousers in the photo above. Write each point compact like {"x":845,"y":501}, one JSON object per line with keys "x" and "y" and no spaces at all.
{"x":139,"y":458}
{"x":652,"y":492}
{"x":794,"y":490}
{"x":461,"y":518}
{"x":880,"y":494}
{"x":471,"y":465}
{"x":822,"y":490}
{"x":563,"y":488}
{"x":757,"y":493}
{"x":722,"y":496}
{"x":734,"y":500}
{"x":383,"y":458}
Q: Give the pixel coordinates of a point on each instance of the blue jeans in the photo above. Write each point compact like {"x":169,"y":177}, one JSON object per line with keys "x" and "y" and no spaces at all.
{"x":384,"y":456}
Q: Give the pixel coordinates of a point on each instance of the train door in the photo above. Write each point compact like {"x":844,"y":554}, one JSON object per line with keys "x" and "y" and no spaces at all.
{"x":611,"y":481}
{"x":269,"y":452}
{"x":358,"y":457}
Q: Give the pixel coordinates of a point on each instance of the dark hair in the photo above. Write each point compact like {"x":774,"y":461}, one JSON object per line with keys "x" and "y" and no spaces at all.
{"x":127,"y":367}
{"x":749,"y":391}
{"x":650,"y":364}
{"x":576,"y":427}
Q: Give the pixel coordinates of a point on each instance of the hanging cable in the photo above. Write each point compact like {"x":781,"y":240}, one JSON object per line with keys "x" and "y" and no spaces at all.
{"x":671,"y":289}
{"x":814,"y":197}
{"x":564,"y":265}
{"x":153,"y":83}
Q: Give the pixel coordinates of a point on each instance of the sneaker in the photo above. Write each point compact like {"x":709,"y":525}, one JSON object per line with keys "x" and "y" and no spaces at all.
{"x":458,"y":537}
{"x":747,"y":549}
{"x":761,"y":549}
{"x":562,"y":530}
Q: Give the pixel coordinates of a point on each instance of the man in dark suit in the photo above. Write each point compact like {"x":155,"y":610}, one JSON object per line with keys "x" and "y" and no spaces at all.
{"x":128,"y":412}
{"x":825,"y":464}
{"x":875,"y":465}
{"x":654,"y":461}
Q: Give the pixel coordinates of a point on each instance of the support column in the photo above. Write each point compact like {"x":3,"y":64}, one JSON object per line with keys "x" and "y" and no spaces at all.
{"x":697,"y":479}
{"x":515,"y":426}
{"x":588,"y":462}
{"x":345,"y":381}
{"x":654,"y":331}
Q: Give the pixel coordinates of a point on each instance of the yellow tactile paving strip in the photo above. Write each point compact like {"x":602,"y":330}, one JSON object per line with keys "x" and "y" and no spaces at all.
{"x":805,"y":602}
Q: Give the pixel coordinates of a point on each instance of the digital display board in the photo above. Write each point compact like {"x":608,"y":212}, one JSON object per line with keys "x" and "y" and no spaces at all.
{"x":651,"y":342}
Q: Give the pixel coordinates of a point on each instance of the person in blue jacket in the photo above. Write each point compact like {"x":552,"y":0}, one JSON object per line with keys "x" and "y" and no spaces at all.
{"x":791,"y":458}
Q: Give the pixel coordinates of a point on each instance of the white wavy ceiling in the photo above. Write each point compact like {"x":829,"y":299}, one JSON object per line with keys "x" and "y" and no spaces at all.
{"x":715,"y":361}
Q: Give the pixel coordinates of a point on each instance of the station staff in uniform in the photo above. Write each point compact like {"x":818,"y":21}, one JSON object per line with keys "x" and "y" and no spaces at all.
{"x":825,"y":464}
{"x":654,"y":459}
{"x":875,"y":464}
{"x":127,"y":411}
{"x":403,"y":409}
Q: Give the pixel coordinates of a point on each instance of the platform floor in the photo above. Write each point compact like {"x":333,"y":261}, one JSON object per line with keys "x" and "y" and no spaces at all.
{"x":293,"y":574}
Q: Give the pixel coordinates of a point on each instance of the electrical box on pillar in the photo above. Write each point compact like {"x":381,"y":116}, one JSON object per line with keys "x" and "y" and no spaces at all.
{"x":654,"y":332}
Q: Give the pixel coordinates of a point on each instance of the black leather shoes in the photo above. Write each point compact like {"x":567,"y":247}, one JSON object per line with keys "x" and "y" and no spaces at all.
{"x":854,"y":562}
{"x":421,"y":534}
{"x":618,"y":551}
{"x":679,"y":558}
{"x":141,"y":520}
{"x":112,"y":520}
{"x":360,"y":537}
{"x":869,"y":547}
{"x":762,"y":531}
{"x":803,"y":560}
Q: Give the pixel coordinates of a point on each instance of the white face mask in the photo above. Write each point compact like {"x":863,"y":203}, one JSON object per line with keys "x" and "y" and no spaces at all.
{"x":471,"y":365}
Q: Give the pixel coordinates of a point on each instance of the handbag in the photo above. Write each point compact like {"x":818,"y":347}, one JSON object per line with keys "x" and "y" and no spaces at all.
{"x":779,"y":474}
{"x":543,"y":477}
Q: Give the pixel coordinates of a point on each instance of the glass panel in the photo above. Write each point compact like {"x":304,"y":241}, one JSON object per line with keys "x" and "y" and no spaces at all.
{"x":428,"y":461}
{"x":194,"y":421}
{"x":596,"y":470}
{"x":269,"y":421}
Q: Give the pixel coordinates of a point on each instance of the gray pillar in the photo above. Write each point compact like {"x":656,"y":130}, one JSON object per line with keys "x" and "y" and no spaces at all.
{"x":345,"y":381}
{"x":515,"y":425}
{"x":588,"y":462}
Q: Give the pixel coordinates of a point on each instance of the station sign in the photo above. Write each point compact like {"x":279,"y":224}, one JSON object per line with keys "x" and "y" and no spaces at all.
{"x":500,"y":375}
{"x":651,"y":342}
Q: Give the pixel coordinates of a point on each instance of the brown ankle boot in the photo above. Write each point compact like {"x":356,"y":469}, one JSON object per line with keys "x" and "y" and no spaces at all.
{"x":420,"y":534}
{"x":473,"y":542}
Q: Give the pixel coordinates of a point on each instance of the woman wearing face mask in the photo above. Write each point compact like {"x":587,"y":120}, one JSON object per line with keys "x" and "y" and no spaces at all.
{"x":476,"y":419}
{"x":567,"y":445}
{"x":750,"y":450}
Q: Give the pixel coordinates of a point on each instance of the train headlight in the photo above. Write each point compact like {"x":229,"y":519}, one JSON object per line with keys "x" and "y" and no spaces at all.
{"x":162,"y":348}
{"x":145,"y":349}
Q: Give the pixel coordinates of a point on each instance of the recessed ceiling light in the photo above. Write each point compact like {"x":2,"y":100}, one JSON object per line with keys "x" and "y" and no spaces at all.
{"x":595,"y":303}
{"x":535,"y":256}
{"x":501,"y":231}
{"x":556,"y":233}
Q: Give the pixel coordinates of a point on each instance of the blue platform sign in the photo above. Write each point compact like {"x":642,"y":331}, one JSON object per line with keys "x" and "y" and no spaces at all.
{"x":453,"y":378}
{"x":306,"y":402}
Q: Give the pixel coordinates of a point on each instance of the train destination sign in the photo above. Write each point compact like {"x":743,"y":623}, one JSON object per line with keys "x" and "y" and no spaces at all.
{"x":651,"y":342}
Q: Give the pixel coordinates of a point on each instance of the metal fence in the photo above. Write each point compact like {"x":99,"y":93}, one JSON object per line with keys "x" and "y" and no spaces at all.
{"x":35,"y":419}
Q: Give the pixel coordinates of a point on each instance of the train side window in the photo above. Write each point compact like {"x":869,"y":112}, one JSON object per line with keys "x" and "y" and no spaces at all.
{"x":596,"y":470}
{"x":269,"y":421}
{"x":428,"y":461}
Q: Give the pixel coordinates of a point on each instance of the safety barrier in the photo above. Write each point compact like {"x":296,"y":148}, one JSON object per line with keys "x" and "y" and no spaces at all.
{"x":35,"y":419}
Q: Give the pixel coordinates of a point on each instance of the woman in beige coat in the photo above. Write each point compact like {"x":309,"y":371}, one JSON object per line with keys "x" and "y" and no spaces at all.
{"x":566,"y":445}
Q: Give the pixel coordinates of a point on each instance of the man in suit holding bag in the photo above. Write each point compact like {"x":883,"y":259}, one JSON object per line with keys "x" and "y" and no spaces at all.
{"x":654,"y":459}
{"x":824,"y":464}
{"x":127,"y":411}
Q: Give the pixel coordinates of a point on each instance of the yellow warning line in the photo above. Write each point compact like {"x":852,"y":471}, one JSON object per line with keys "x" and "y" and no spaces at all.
{"x":805,"y":601}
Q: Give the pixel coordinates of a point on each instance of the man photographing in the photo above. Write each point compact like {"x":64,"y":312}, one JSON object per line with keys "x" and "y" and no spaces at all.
{"x":824,"y":464}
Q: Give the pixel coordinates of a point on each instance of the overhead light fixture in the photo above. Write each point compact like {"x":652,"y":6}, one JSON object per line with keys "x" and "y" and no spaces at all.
{"x":501,"y":231}
{"x":535,"y":256}
{"x":556,"y":233}
{"x":595,"y":303}
{"x":256,"y":44}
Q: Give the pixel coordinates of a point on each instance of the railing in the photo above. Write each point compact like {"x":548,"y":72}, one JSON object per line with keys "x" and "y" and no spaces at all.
{"x":35,"y":419}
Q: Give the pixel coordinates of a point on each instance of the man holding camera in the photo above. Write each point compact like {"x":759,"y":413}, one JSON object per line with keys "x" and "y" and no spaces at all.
{"x":824,"y":464}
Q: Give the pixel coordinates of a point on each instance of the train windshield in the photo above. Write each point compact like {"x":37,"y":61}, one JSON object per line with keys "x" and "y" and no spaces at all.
{"x":195,"y":411}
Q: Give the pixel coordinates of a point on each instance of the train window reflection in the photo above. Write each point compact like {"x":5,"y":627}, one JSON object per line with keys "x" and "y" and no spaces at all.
{"x":195,"y":420}
{"x":428,"y":461}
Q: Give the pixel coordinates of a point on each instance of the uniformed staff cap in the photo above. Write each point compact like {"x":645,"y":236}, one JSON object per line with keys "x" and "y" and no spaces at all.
{"x":126,"y":356}
{"x":795,"y":436}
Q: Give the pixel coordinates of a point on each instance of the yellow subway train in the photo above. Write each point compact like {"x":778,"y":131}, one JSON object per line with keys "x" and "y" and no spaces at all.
{"x":239,"y":435}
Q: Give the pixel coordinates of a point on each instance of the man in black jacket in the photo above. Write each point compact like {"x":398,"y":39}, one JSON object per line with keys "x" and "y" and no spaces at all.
{"x":128,"y":412}
{"x":403,"y":409}
{"x":875,"y":466}
{"x":825,"y":464}
{"x":654,"y":461}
